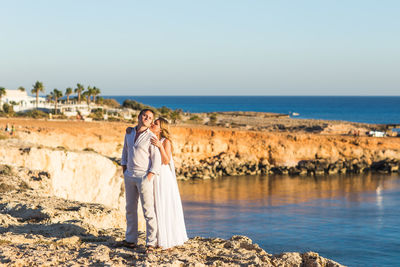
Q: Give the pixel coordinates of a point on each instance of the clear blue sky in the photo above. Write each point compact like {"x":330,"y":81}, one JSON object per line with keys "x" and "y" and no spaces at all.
{"x":207,"y":47}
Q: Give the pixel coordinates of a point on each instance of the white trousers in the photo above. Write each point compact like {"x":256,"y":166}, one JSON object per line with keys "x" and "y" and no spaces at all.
{"x":136,"y":187}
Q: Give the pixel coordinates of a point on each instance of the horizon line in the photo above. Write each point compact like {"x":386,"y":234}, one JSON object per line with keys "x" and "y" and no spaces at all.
{"x":172,"y":95}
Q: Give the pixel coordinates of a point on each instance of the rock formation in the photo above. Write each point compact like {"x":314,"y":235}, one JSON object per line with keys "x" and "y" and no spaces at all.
{"x":80,"y":176}
{"x":37,"y":229}
{"x":208,"y":152}
{"x":47,"y":210}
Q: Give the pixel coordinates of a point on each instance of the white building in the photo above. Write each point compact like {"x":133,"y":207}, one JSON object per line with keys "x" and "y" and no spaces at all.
{"x":22,"y":101}
{"x":377,"y":133}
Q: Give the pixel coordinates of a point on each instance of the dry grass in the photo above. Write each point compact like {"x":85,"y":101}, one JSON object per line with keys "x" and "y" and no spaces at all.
{"x":3,"y":136}
{"x":4,"y":242}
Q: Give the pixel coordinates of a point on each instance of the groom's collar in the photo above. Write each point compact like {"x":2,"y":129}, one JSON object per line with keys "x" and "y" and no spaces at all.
{"x":136,"y":129}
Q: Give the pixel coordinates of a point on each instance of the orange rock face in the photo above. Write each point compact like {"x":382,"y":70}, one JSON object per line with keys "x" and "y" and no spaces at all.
{"x":193,"y":143}
{"x":280,"y":148}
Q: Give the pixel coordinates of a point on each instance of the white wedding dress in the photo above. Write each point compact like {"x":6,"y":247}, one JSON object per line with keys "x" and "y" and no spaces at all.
{"x":168,"y":204}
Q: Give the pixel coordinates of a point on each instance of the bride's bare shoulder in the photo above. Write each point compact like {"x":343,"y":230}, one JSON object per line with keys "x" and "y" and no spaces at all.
{"x":166,"y":142}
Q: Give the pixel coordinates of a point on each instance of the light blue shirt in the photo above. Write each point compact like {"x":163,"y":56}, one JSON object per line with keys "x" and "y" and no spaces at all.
{"x":140,"y":157}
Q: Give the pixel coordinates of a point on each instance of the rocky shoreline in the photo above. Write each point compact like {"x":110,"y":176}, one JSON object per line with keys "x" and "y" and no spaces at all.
{"x":45,"y":213}
{"x":209,"y":152}
{"x":234,"y":165}
{"x":38,"y":229}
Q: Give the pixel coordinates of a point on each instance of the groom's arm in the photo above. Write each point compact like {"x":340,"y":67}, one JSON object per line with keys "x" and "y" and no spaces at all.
{"x":155,"y":157}
{"x":124,"y":157}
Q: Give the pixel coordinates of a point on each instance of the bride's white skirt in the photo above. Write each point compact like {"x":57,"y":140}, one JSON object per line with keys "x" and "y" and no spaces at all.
{"x":168,"y":204}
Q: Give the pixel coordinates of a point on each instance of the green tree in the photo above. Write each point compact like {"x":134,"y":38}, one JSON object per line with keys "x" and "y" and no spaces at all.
{"x":79,"y":89}
{"x":21,"y":88}
{"x":9,"y":109}
{"x":56,"y":94}
{"x":68,"y":92}
{"x":37,"y":88}
{"x":97,"y":114}
{"x":164,"y":110}
{"x":2,"y":93}
{"x":195,"y":118}
{"x":49,"y":97}
{"x":175,"y":116}
{"x":96,"y":92}
{"x":88,"y":94}
{"x":128,"y":103}
{"x":213,"y":119}
{"x":109,"y":102}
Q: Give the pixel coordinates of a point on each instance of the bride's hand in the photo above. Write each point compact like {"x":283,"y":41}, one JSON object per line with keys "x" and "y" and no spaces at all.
{"x":156,"y":142}
{"x":128,"y":130}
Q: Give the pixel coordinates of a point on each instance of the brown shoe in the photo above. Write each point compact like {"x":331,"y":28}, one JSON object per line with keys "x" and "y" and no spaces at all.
{"x":128,"y":244}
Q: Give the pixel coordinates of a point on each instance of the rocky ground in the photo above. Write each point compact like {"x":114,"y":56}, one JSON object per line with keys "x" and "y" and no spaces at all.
{"x":38,"y":229}
{"x":275,"y":122}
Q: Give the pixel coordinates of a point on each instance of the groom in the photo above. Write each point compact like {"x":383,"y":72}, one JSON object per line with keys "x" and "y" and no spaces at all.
{"x":140,"y":162}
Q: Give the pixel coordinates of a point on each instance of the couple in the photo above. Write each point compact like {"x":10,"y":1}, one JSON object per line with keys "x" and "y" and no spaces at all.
{"x":149,"y":173}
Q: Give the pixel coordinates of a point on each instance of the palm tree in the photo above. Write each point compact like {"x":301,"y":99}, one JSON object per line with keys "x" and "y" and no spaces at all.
{"x":68,"y":92}
{"x":21,"y":88}
{"x":79,"y":89}
{"x":96,"y":92}
{"x":37,"y":87}
{"x":56,"y":94}
{"x":89,"y":94}
{"x":2,"y":93}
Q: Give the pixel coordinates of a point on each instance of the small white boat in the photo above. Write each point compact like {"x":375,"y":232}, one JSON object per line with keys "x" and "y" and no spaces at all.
{"x":295,"y":114}
{"x":376,"y":134}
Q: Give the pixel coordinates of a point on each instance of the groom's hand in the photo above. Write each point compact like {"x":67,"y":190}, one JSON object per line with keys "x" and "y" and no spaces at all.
{"x":150,"y":175}
{"x":128,"y":130}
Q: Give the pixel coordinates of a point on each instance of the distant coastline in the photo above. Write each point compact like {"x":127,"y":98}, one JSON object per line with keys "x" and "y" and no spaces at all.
{"x":362,"y":109}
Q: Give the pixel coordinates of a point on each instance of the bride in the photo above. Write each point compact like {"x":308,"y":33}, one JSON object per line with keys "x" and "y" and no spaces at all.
{"x":171,"y":223}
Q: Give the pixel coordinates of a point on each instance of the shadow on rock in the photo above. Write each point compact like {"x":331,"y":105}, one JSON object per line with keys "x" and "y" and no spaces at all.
{"x":57,"y":230}
{"x":24,"y":214}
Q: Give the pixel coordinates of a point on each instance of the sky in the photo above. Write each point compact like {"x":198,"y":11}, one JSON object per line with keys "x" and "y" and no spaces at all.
{"x":207,"y":47}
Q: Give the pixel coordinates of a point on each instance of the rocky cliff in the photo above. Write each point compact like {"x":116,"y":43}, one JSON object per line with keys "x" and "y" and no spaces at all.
{"x":206,"y":152}
{"x":38,"y":229}
{"x":76,"y":176}
{"x":80,"y":176}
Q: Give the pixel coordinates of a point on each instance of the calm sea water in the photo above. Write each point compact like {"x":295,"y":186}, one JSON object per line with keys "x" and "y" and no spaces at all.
{"x":351,"y":219}
{"x":367,"y":109}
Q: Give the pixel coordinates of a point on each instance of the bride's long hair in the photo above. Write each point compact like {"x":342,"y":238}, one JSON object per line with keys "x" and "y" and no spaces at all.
{"x":164,"y":127}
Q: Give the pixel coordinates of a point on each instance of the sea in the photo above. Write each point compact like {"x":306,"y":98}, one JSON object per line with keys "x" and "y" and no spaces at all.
{"x":365,"y":109}
{"x":351,"y":219}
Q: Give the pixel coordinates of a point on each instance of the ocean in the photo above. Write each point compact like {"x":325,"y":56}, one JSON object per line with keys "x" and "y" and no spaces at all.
{"x":365,"y":109}
{"x":351,"y":219}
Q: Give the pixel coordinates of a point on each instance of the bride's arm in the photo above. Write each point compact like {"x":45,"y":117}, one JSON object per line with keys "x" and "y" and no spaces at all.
{"x":165,"y":149}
